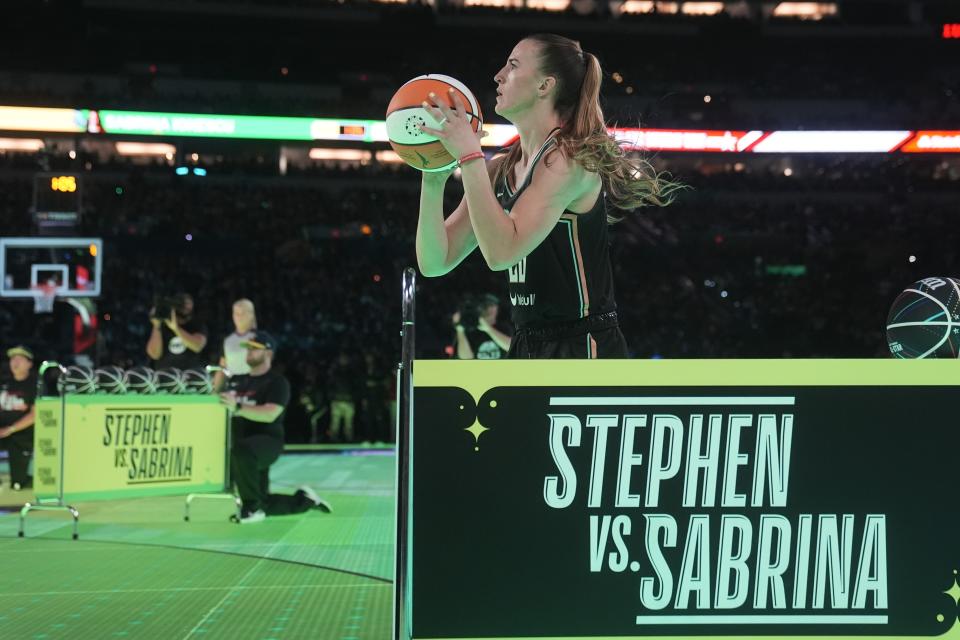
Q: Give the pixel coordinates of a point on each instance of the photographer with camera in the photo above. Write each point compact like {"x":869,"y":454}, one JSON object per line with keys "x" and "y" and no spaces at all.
{"x":177,"y":339}
{"x":477,"y":335}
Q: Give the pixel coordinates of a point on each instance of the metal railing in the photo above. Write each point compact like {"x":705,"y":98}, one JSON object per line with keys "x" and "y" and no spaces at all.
{"x":401,"y":618}
{"x":59,"y":504}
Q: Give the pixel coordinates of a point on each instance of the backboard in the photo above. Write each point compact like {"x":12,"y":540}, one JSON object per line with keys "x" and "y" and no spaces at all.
{"x":72,"y":265}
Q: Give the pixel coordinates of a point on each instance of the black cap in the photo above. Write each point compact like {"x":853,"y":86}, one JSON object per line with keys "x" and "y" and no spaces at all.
{"x":260,"y":340}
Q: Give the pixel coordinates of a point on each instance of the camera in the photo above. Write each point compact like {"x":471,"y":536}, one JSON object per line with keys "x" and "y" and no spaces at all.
{"x":469,"y":314}
{"x":164,"y":306}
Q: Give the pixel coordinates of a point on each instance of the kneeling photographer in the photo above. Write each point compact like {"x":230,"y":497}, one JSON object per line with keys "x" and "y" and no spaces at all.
{"x":477,"y":334}
{"x":177,"y":339}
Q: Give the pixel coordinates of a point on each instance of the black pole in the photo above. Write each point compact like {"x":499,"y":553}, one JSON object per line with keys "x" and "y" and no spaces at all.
{"x":401,"y":592}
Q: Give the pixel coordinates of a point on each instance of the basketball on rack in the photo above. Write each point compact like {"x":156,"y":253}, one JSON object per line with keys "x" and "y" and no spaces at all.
{"x":924,"y":320}
{"x":141,"y":380}
{"x":170,"y":380}
{"x":196,"y":382}
{"x":405,"y":114}
{"x":110,"y":380}
{"x":77,"y":379}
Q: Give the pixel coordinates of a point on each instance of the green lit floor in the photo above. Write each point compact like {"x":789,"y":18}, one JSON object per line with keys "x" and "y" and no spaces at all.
{"x":140,"y":571}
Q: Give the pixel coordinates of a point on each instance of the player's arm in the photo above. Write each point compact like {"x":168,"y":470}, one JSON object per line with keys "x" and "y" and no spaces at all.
{"x":505,"y":239}
{"x":443,"y":244}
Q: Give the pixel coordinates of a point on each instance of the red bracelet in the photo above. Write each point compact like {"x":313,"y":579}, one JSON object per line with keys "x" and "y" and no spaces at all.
{"x":469,"y":157}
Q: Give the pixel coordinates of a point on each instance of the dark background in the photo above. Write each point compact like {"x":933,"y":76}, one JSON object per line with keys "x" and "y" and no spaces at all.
{"x":707,"y":277}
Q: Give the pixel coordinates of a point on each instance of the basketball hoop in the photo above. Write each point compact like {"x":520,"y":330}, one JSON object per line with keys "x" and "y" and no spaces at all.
{"x":43,"y":297}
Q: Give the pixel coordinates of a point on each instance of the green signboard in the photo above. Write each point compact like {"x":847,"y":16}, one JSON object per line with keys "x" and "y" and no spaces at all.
{"x":125,"y":446}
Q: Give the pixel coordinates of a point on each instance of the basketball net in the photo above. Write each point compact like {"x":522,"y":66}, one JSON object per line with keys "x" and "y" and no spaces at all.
{"x":43,"y":297}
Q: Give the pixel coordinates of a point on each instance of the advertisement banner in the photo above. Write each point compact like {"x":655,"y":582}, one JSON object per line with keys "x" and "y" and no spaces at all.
{"x":146,"y":123}
{"x":127,"y":446}
{"x":37,"y":119}
{"x":46,"y":449}
{"x":933,"y":142}
{"x":751,"y":498}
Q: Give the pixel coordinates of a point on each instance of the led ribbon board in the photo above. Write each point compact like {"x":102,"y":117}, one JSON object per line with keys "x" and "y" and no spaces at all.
{"x":749,"y":498}
{"x":146,"y":123}
{"x":167,"y":124}
{"x":42,"y":119}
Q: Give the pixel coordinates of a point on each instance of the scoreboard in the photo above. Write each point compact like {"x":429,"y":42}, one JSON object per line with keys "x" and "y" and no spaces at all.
{"x":57,"y":199}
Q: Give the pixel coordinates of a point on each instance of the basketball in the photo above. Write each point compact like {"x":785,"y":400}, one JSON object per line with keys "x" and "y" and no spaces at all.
{"x":169,"y":381}
{"x":405,"y":114}
{"x":110,"y":380}
{"x":924,"y":321}
{"x":141,"y":380}
{"x":77,"y":379}
{"x":196,"y":382}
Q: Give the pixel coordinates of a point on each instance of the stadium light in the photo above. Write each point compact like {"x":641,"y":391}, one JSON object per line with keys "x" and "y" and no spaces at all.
{"x":548,"y":5}
{"x":20,"y":144}
{"x":388,"y":157}
{"x":805,"y":10}
{"x":145,"y":149}
{"x":344,"y":155}
{"x":702,"y":8}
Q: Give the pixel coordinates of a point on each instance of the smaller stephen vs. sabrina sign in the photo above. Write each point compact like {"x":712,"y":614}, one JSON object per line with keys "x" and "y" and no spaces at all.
{"x":141,"y":443}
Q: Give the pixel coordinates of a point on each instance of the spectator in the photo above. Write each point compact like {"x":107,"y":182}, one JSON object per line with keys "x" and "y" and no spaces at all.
{"x":177,"y":339}
{"x":342,"y":387}
{"x":476,"y":331}
{"x":373,"y":409}
{"x":234,"y":355}
{"x":17,"y":414}
{"x":258,"y":401}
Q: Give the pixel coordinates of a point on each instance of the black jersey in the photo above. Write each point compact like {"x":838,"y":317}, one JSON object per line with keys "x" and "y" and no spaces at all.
{"x":568,"y":276}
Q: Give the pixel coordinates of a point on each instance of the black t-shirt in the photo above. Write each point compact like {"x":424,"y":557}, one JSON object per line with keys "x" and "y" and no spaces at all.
{"x":484,"y":347}
{"x":16,"y":399}
{"x":270,"y":388}
{"x":175,"y":352}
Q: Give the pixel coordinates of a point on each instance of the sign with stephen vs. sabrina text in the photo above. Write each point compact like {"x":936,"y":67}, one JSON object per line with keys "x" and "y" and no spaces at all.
{"x":685,"y":498}
{"x":126,"y":446}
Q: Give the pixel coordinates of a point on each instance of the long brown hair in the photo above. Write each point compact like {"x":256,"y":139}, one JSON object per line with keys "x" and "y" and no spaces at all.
{"x":629,"y":183}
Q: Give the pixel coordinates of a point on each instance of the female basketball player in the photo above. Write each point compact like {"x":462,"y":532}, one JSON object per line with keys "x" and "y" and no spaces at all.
{"x":540,"y":209}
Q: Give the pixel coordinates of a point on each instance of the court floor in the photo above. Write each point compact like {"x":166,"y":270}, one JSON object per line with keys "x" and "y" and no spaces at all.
{"x":139,"y":571}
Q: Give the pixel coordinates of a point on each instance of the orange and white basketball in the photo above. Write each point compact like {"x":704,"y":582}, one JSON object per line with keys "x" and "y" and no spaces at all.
{"x":405,"y":114}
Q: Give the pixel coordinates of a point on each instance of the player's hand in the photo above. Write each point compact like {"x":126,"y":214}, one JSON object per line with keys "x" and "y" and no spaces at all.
{"x":229,"y":400}
{"x":171,"y":322}
{"x":6,"y":431}
{"x":153,"y":319}
{"x":437,"y":178}
{"x":483,"y":325}
{"x":455,"y":318}
{"x":454,"y":131}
